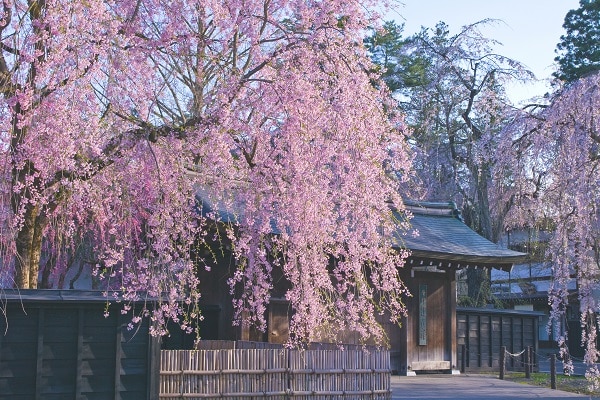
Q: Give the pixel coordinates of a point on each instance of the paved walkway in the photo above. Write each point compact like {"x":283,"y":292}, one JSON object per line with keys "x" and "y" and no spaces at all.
{"x":471,"y":387}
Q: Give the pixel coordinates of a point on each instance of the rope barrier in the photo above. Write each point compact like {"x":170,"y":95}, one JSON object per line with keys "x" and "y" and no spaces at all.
{"x":532,"y":356}
{"x":474,"y":355}
{"x":541,"y":356}
{"x":516,"y":354}
{"x":475,"y":359}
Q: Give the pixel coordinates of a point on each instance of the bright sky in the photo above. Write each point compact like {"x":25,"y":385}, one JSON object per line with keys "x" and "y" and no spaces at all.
{"x":529,"y":32}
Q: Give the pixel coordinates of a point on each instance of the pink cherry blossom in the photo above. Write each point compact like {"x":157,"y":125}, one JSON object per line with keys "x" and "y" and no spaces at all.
{"x":114,"y":114}
{"x":549,"y":162}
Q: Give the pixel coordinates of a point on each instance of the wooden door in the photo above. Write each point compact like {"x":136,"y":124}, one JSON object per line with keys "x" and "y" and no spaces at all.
{"x":431,"y":327}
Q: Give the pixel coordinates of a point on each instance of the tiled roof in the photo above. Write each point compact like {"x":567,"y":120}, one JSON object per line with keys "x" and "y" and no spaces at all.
{"x":441,"y":234}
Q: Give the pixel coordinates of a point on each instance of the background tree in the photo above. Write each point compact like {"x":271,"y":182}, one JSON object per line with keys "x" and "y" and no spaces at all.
{"x":401,"y":69}
{"x":552,"y":158}
{"x":451,"y":88}
{"x":579,"y":48}
{"x":115,"y":114}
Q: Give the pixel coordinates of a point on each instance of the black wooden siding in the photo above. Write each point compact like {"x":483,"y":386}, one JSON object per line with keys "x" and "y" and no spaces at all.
{"x":57,"y":348}
{"x":484,"y":331}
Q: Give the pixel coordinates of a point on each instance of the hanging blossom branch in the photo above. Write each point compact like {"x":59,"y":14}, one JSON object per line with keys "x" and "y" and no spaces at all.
{"x":110,"y":104}
{"x":560,"y":148}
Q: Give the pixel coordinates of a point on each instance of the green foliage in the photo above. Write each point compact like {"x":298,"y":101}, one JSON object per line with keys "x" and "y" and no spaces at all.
{"x":579,"y":48}
{"x":451,"y":88}
{"x":400,"y":67}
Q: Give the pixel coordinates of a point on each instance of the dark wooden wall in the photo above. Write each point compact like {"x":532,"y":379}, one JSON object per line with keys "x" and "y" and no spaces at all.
{"x":484,"y":331}
{"x":56,"y":345}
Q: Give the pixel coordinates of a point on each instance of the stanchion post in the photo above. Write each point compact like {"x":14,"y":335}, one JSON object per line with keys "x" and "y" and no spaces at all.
{"x":463,"y":358}
{"x":502,"y":361}
{"x":553,"y":371}
{"x":531,"y":359}
{"x":527,"y":360}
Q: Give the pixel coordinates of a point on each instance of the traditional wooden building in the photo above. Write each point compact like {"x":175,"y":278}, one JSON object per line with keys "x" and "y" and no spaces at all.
{"x":427,"y":339}
{"x":528,"y":285}
{"x":61,"y":344}
{"x":440,"y":245}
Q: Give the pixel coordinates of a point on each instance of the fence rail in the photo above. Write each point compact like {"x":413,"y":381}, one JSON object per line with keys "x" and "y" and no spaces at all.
{"x":275,"y":373}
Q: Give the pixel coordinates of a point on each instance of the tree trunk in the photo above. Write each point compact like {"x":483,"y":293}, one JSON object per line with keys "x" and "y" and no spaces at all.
{"x":478,"y":281}
{"x":46,"y":271}
{"x":29,"y":249}
{"x":478,"y":287}
{"x":483,"y":208}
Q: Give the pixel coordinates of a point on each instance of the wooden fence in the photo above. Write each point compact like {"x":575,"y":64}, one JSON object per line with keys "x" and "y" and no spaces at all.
{"x":58,"y":345}
{"x":275,"y":374}
{"x":482,"y":333}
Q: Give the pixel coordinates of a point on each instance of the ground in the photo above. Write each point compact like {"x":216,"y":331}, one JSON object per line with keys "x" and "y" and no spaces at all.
{"x":573,"y":384}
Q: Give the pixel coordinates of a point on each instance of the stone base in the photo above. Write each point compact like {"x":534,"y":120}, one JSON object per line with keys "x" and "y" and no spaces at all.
{"x":430,"y":365}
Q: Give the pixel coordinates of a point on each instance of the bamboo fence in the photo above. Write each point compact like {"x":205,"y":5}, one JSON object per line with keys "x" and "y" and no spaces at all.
{"x":275,"y":374}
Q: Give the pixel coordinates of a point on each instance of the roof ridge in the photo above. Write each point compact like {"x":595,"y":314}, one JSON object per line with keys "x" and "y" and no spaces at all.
{"x":447,"y":208}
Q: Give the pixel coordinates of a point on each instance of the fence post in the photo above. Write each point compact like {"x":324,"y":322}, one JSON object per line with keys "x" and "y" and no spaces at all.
{"x":181,"y":372}
{"x":527,"y":358}
{"x":463,"y":358}
{"x":502,"y":361}
{"x":288,"y":375}
{"x":553,"y":371}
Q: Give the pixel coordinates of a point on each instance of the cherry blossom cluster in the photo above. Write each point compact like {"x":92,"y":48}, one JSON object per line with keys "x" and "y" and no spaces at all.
{"x":550,"y":161}
{"x":114,"y":114}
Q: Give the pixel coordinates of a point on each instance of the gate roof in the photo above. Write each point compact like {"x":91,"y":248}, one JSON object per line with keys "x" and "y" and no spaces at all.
{"x":440,"y":237}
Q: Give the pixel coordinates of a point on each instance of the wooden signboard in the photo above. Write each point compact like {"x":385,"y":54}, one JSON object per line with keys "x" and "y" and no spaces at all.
{"x":422,"y":315}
